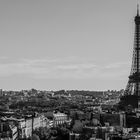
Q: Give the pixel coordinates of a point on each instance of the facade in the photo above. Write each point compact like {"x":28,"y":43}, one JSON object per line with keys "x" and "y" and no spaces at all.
{"x":74,"y":136}
{"x":8,"y":131}
{"x":14,"y":133}
{"x":60,"y":118}
{"x":28,"y":127}
{"x":13,"y":128}
{"x":33,"y":123}
{"x":21,"y":128}
{"x":49,"y":124}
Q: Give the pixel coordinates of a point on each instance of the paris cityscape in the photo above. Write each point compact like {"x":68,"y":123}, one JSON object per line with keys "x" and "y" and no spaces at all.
{"x":70,"y":70}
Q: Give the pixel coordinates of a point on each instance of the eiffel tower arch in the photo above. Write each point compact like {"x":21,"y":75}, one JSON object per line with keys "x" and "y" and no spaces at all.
{"x":132,"y":92}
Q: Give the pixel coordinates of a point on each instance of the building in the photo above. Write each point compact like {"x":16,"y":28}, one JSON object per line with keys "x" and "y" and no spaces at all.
{"x":74,"y":136}
{"x":60,"y":118}
{"x":15,"y":128}
{"x":8,"y":130}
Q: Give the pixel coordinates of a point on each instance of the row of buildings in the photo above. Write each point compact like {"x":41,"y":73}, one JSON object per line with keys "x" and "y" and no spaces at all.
{"x":13,"y":128}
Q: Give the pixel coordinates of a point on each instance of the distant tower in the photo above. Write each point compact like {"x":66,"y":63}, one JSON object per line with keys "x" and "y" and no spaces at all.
{"x":132,"y":91}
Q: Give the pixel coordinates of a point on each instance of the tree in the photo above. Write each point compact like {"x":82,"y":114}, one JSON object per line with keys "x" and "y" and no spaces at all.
{"x":78,"y":127}
{"x":35,"y":137}
{"x":43,"y":133}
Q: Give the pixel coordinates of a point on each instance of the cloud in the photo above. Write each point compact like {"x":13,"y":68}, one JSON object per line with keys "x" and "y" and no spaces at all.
{"x":53,"y":60}
{"x":3,"y":57}
{"x":115,"y":71}
{"x":62,"y":68}
{"x":117,"y":65}
{"x":18,"y":68}
{"x":76,"y":66}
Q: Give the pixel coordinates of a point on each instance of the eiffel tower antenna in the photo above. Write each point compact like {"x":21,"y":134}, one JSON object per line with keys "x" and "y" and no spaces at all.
{"x":137,"y":9}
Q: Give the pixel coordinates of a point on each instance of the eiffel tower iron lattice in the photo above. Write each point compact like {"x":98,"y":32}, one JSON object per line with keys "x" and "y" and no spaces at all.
{"x":133,"y":86}
{"x":132,"y":91}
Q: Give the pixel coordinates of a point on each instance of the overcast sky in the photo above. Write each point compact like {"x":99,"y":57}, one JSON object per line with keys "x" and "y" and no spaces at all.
{"x":66,"y":44}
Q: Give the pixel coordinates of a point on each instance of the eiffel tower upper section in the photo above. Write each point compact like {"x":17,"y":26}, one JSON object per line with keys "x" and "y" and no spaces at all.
{"x":133,"y":86}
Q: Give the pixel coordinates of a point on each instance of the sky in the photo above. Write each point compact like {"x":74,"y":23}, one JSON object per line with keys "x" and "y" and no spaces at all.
{"x":66,"y":44}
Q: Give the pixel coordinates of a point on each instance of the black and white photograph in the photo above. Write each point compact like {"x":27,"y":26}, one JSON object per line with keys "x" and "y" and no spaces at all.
{"x":69,"y":69}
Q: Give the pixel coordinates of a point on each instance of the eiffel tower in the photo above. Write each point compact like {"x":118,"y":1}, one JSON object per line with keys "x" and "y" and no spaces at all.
{"x":132,"y":92}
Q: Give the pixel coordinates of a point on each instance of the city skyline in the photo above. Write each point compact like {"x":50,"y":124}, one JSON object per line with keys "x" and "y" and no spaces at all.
{"x":53,"y":45}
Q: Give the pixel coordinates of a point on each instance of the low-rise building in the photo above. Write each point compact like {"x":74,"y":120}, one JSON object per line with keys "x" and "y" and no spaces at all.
{"x":16,"y":128}
{"x":60,"y":118}
{"x":8,"y":131}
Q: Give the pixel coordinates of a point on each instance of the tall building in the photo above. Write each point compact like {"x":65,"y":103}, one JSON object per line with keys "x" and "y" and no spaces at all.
{"x":132,"y":92}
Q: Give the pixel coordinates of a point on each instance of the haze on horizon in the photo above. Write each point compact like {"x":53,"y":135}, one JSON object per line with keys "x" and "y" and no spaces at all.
{"x":59,"y":44}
